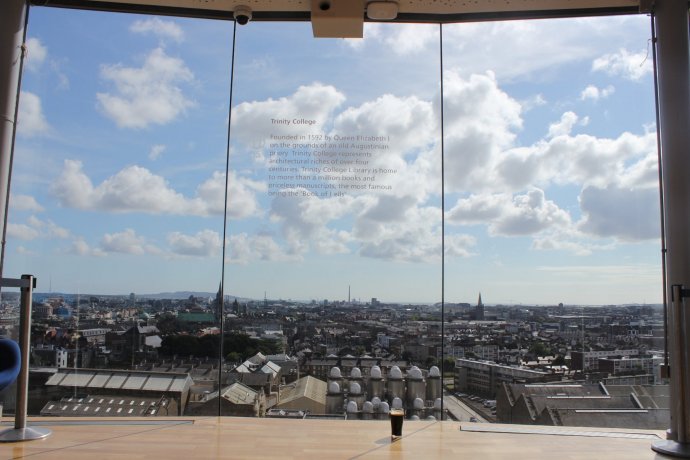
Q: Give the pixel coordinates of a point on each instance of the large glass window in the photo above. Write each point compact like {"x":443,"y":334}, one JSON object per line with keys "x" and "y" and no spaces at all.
{"x":551,"y":173}
{"x":338,"y":144}
{"x":117,"y":207}
{"x":448,"y":238}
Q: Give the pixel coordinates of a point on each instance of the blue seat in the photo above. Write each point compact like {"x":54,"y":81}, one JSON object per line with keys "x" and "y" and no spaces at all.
{"x":10,"y":362}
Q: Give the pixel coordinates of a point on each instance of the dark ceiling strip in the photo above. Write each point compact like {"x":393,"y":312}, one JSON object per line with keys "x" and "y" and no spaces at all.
{"x":306,"y":16}
{"x":514,"y":15}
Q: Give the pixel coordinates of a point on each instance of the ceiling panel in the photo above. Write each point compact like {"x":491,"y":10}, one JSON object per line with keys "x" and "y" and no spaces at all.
{"x":409,"y":10}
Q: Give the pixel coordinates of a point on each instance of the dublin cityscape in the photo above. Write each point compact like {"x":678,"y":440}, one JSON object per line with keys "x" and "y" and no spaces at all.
{"x":149,"y":355}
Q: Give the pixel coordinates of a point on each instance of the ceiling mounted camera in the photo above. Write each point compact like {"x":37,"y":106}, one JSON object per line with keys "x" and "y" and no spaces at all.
{"x":242,"y":14}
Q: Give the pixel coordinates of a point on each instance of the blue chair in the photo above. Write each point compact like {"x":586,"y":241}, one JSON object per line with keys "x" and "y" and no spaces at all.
{"x":10,"y":362}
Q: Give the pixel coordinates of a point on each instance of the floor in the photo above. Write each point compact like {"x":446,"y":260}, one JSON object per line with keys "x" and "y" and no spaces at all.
{"x":255,"y":438}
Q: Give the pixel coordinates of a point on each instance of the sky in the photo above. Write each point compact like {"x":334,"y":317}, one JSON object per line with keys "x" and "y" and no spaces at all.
{"x":542,"y":138}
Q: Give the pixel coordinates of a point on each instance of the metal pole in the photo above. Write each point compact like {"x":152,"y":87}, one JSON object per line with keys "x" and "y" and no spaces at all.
{"x":673,"y":63}
{"x":678,"y":443}
{"x":679,"y":374}
{"x":12,"y":33}
{"x":21,"y":432}
{"x":25,"y":346}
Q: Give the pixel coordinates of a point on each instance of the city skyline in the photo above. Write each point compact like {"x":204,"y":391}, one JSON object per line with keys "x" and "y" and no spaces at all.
{"x":550,"y":160}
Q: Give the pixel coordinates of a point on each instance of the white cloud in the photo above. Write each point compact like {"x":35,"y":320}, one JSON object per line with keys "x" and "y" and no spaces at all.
{"x":25,"y":252}
{"x":633,"y":66}
{"x":525,"y":49}
{"x":21,"y":232}
{"x":385,"y":227}
{"x":408,"y":121}
{"x":305,"y":222}
{"x":581,"y":159}
{"x":147,"y":95}
{"x":156,"y":151}
{"x":79,"y":247}
{"x":643,"y":173}
{"x":407,"y":233}
{"x":507,"y":215}
{"x":508,"y":182}
{"x":253,"y":120}
{"x":205,"y":243}
{"x":405,"y":39}
{"x":532,"y":102}
{"x":481,"y":156}
{"x":133,"y":189}
{"x":36,"y":57}
{"x":564,"y":126}
{"x":36,"y":228}
{"x":594,"y":93}
{"x":460,"y":245}
{"x":159,"y":28}
{"x":24,"y":203}
{"x":399,"y":229}
{"x":570,"y":240}
{"x":36,"y":54}
{"x":242,"y":201}
{"x":126,"y":242}
{"x":244,"y":249}
{"x":479,"y":123}
{"x":31,"y":121}
{"x":136,"y":189}
{"x":48,"y":228}
{"x":626,"y":214}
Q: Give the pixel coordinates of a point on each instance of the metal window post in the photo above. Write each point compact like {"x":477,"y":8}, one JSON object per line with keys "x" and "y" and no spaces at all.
{"x":673,"y":65}
{"x":21,"y":432}
{"x":12,"y":21}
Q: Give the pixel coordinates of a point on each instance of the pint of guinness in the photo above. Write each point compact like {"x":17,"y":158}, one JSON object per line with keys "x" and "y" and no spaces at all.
{"x":397,"y":416}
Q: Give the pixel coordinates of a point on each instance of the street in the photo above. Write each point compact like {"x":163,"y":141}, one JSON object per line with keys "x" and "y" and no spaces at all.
{"x":460,"y":410}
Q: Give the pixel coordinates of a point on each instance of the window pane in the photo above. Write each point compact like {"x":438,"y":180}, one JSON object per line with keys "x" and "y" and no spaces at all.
{"x":551,"y":170}
{"x":117,"y":209}
{"x":334,"y":220}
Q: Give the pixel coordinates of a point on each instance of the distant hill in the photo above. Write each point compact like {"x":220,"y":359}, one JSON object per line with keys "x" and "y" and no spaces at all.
{"x":177,"y":295}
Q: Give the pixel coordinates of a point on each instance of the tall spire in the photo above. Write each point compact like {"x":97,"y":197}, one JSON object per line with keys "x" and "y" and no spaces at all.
{"x":479,"y":312}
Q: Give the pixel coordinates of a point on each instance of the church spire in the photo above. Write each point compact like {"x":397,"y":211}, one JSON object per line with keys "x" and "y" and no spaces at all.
{"x":479,"y":311}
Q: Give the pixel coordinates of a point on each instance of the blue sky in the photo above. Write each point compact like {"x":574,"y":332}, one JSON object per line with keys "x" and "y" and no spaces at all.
{"x":549,"y":163}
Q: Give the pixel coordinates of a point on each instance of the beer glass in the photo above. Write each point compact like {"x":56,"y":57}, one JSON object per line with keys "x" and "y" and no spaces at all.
{"x":397,"y":416}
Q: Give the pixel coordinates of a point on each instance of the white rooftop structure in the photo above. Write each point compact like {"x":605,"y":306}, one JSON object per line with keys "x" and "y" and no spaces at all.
{"x":121,"y":380}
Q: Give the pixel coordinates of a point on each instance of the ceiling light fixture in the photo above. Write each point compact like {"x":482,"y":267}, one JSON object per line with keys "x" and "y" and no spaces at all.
{"x":382,"y":10}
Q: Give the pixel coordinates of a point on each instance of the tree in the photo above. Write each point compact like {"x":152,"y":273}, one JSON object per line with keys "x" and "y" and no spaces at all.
{"x":168,"y":324}
{"x":180,"y":345}
{"x":431,"y":361}
{"x":233,"y":357}
{"x":209,"y":346}
{"x":448,"y":364}
{"x":539,"y":349}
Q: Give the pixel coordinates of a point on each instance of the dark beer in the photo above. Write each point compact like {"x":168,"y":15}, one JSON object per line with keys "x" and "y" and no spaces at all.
{"x":397,"y":416}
